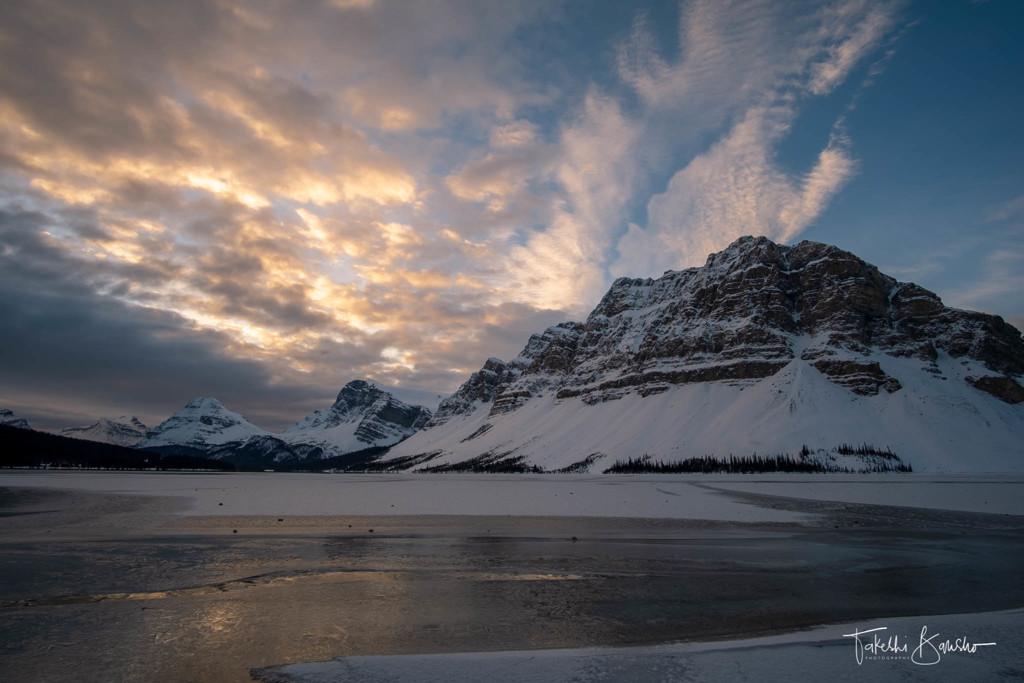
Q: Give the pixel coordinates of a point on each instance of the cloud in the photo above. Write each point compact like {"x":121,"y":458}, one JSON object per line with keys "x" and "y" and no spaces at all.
{"x":228,"y":167}
{"x":500,"y":177}
{"x":520,"y":133}
{"x":1007,"y":210}
{"x":1003,"y":275}
{"x":737,"y":186}
{"x":734,"y":189}
{"x":562,"y":266}
{"x":74,"y":328}
{"x":264,"y":201}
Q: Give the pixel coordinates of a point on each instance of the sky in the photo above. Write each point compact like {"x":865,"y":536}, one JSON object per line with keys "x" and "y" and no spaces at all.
{"x":262,"y":200}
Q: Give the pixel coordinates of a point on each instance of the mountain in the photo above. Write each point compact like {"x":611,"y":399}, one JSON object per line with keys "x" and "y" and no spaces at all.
{"x":202,"y":424}
{"x":7,"y":417}
{"x":30,"y":448}
{"x":364,"y":415}
{"x":767,"y":349}
{"x":120,"y":431}
{"x":204,"y":427}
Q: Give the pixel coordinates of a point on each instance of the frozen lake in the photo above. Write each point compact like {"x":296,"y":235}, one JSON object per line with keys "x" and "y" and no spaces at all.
{"x":175,"y":577}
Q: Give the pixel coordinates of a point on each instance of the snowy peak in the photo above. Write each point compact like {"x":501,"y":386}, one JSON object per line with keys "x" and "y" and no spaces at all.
{"x":206,"y":404}
{"x":201,"y":423}
{"x":363,"y":415}
{"x":9,"y":419}
{"x":358,"y":398}
{"x":119,"y":431}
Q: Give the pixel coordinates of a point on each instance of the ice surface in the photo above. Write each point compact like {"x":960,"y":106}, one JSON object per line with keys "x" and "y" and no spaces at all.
{"x":823,"y":654}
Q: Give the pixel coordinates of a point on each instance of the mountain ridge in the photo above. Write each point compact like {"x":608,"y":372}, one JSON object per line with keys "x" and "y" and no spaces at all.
{"x":756,"y":315}
{"x":364,"y":416}
{"x":119,"y":431}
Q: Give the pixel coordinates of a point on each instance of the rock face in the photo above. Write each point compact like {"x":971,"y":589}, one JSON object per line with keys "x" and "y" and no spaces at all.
{"x":363,"y":416}
{"x":753,"y":310}
{"x":119,"y":431}
{"x":505,"y":386}
{"x":8,"y":418}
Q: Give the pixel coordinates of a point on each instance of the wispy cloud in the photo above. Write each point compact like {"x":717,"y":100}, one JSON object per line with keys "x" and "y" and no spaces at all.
{"x":1003,"y":274}
{"x":734,"y":189}
{"x":1012,"y":209}
{"x":737,"y":186}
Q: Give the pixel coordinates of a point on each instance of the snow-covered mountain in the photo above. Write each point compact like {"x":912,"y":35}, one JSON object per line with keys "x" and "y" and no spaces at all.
{"x":363,"y":416}
{"x":9,"y":419}
{"x":765,"y":349}
{"x":120,"y":431}
{"x":205,"y":427}
{"x":201,"y":424}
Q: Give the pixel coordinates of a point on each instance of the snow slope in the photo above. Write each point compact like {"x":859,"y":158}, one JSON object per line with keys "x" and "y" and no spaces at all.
{"x":201,"y":423}
{"x":933,"y":424}
{"x":119,"y":431}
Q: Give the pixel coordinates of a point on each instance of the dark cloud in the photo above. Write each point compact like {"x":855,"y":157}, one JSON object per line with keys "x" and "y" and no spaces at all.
{"x":82,"y":349}
{"x":74,"y":347}
{"x":69,"y":347}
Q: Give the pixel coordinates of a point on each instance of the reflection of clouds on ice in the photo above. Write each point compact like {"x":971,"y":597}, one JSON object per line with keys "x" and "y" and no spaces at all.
{"x":823,"y":651}
{"x":219,"y":620}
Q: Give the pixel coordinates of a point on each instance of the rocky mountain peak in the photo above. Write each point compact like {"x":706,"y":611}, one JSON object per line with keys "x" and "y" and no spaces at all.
{"x":736,"y":318}
{"x":360,"y":393}
{"x":363,"y":415}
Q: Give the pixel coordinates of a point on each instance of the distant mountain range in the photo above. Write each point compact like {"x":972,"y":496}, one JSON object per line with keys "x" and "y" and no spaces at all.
{"x":363,"y":416}
{"x":802,"y":358}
